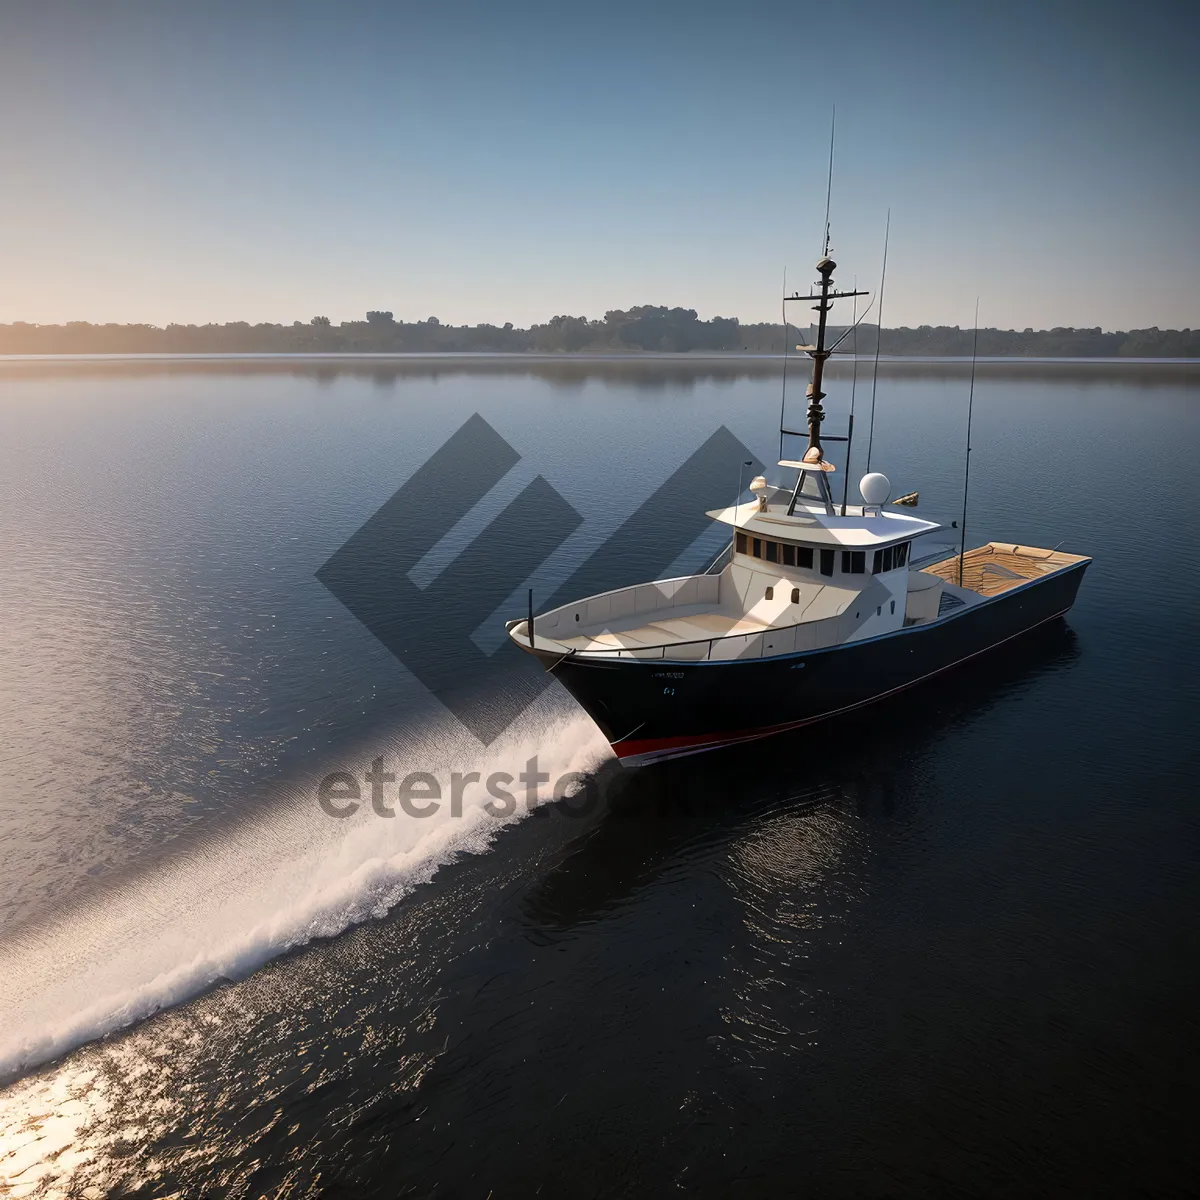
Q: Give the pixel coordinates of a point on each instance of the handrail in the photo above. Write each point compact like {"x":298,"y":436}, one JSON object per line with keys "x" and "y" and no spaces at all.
{"x":641,"y":651}
{"x":722,"y":553}
{"x":647,"y":652}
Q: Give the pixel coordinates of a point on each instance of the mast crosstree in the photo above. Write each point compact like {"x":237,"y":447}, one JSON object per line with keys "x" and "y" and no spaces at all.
{"x":820,"y":352}
{"x":814,"y":457}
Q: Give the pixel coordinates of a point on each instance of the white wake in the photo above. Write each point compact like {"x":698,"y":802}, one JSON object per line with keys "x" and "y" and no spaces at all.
{"x":283,"y":879}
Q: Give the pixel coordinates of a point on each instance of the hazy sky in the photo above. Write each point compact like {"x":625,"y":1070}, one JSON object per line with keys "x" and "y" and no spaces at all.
{"x":509,"y":161}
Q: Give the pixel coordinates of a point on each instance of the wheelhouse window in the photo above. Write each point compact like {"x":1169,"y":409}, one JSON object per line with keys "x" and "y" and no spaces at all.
{"x":791,"y":555}
{"x":854,"y":562}
{"x":826,"y":562}
{"x":890,"y":558}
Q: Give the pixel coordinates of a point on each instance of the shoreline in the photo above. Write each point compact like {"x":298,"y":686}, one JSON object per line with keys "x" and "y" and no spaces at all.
{"x":579,"y":356}
{"x":575,"y":367}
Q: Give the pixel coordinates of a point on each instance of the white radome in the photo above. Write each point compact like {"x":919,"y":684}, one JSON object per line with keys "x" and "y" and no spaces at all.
{"x":875,"y":488}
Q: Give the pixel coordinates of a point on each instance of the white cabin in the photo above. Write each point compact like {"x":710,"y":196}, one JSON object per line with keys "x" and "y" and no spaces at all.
{"x":793,"y":583}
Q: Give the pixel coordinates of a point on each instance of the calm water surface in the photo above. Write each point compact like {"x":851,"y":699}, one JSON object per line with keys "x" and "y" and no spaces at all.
{"x":947,"y":946}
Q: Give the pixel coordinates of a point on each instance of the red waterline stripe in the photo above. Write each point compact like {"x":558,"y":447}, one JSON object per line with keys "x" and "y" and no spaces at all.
{"x":650,"y":749}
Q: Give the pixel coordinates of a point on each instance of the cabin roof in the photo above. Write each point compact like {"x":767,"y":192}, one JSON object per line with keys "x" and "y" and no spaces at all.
{"x":811,"y":528}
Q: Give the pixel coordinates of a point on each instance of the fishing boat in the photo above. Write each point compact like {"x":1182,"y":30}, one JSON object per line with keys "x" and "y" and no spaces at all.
{"x":815,"y":609}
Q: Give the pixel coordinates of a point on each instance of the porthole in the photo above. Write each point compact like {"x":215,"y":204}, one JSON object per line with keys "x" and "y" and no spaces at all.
{"x":577,"y":616}
{"x":795,"y":595}
{"x":770,"y":593}
{"x":893,"y":608}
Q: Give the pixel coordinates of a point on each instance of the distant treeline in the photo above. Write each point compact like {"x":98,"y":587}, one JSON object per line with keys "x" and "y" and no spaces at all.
{"x":672,"y":330}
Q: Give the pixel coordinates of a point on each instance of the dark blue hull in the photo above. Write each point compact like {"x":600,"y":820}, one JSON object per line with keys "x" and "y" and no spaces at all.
{"x":653,"y":709}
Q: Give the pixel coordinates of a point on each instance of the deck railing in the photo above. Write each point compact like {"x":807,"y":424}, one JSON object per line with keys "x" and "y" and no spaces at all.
{"x":730,"y":646}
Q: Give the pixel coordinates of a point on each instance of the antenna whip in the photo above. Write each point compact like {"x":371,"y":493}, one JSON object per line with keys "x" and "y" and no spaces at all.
{"x":962,"y":548}
{"x":783,"y":396}
{"x":853,"y":389}
{"x":829,"y":182}
{"x":878,"y":337}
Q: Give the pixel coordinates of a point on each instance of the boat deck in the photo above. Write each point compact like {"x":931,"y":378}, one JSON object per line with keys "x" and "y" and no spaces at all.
{"x":694,"y":626}
{"x":995,"y":568}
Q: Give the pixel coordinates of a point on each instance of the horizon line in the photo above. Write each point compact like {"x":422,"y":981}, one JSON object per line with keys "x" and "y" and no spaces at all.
{"x":435,"y":322}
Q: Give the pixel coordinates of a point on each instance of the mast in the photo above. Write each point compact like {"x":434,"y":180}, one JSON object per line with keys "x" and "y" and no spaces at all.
{"x":814,"y":457}
{"x":816,"y":414}
{"x":825,"y":267}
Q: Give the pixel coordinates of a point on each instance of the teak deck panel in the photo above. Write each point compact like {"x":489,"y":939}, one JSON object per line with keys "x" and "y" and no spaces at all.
{"x":995,"y":568}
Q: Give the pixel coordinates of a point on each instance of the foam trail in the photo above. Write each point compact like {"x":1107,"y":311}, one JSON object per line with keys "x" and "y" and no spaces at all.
{"x":291,"y":876}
